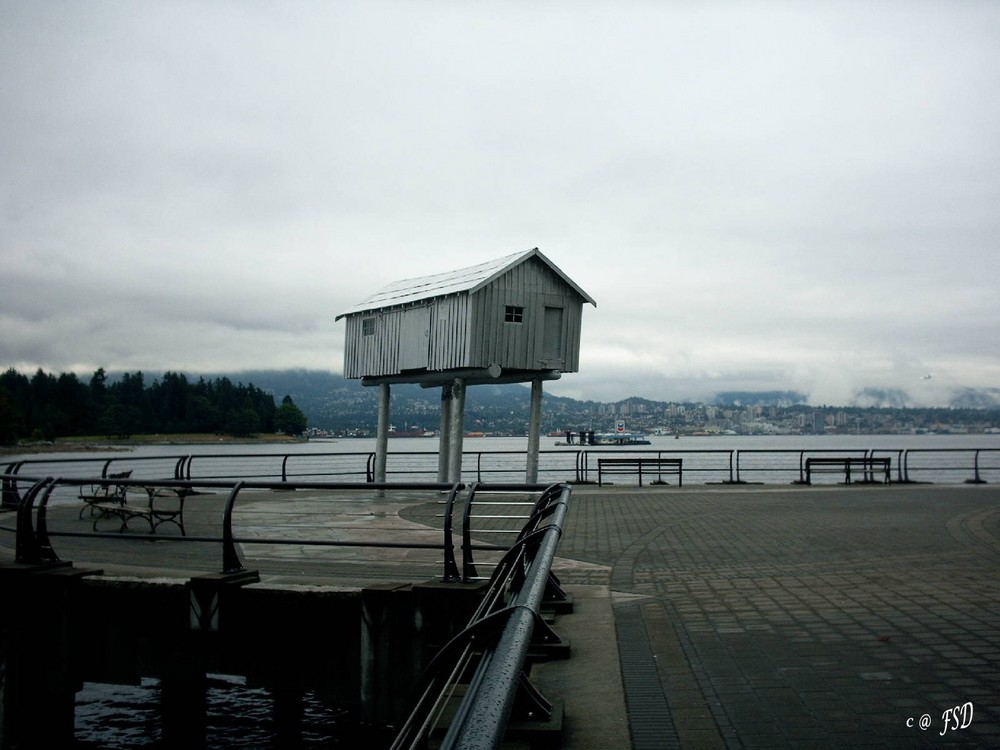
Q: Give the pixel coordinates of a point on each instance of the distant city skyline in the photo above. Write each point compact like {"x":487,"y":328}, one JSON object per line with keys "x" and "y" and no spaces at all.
{"x":758,"y":197}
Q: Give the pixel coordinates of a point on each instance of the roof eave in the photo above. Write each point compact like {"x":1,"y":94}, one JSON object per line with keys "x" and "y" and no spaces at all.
{"x":535,"y":253}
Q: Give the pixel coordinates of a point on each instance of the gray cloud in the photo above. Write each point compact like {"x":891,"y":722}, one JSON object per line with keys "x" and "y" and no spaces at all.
{"x":766,"y":197}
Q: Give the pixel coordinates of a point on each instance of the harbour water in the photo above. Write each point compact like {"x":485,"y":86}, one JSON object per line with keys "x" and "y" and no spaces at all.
{"x":127,"y":717}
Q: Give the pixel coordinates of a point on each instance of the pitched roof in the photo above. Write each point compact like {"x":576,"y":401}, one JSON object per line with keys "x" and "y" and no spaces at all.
{"x":469,"y":279}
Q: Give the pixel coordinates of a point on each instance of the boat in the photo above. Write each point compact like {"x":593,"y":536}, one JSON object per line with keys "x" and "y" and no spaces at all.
{"x":604,"y":438}
{"x":620,"y":438}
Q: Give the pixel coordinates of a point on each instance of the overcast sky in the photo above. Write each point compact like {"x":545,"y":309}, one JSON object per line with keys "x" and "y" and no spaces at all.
{"x":758,"y":196}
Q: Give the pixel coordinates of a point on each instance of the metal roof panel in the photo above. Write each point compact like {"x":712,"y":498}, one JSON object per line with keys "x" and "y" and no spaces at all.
{"x":468,"y":279}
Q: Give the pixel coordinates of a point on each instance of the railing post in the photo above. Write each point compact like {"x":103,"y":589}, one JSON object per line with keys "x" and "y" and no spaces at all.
{"x":26,"y":546}
{"x":451,"y":572}
{"x":10,"y":495}
{"x":468,"y":565}
{"x":976,"y":478}
{"x":231,"y":562}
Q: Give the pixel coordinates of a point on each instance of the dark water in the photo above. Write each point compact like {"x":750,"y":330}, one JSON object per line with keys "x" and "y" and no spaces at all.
{"x":122,"y":717}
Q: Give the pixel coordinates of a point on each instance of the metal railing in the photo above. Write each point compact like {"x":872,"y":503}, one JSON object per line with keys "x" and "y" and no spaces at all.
{"x":34,"y":535}
{"x":941,"y":462}
{"x":792,"y":461}
{"x":721,"y":466}
{"x":711,"y":465}
{"x":491,"y":652}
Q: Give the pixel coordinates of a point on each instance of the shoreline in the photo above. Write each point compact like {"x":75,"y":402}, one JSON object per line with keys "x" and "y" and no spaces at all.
{"x":91,"y":444}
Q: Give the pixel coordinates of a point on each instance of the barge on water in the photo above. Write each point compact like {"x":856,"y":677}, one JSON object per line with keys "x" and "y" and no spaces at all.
{"x":603,"y":438}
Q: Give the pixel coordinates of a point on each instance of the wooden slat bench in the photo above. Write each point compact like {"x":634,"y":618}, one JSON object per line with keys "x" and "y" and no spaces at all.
{"x":657,"y":466}
{"x":100,"y":496}
{"x":867,"y":467}
{"x":161,"y":505}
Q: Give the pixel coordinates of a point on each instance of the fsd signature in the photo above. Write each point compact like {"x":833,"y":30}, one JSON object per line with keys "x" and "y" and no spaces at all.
{"x":955,"y":718}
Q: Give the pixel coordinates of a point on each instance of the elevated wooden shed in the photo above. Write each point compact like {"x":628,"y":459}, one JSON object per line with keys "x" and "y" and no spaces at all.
{"x":514,"y":319}
{"x":520,"y":313}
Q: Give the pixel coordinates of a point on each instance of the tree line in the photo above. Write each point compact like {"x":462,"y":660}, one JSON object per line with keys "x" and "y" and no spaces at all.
{"x":46,"y":406}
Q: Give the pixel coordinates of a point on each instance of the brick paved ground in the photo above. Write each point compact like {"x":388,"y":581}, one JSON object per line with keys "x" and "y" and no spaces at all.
{"x":826,"y":617}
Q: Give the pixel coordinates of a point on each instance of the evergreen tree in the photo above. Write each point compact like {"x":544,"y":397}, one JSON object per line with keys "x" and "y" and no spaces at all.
{"x":289,"y":418}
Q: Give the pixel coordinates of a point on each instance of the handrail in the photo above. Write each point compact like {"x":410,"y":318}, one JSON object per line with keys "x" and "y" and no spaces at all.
{"x":500,"y":631}
{"x":32,"y":536}
{"x":660,"y":453}
{"x":976,"y":466}
{"x":803,"y":454}
{"x":28,"y":544}
{"x":469,"y":572}
{"x":726,"y":466}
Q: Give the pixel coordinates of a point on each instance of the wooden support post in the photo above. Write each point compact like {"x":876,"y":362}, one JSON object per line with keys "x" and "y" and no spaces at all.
{"x":534,"y":429}
{"x":183,"y":692}
{"x":382,"y":436}
{"x":444,"y":438}
{"x":390,"y":653}
{"x":38,"y":684}
{"x":457,"y":430}
{"x":288,"y":709}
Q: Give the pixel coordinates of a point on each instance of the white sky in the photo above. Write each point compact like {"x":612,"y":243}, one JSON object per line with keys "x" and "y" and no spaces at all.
{"x":758,"y":195}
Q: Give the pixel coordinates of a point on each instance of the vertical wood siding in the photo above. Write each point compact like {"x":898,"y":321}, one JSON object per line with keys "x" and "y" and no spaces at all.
{"x":530,"y":285}
{"x":449,"y":331}
{"x":470,"y":331}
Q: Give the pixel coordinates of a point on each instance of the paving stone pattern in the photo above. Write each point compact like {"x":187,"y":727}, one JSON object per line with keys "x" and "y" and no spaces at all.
{"x":827,"y":617}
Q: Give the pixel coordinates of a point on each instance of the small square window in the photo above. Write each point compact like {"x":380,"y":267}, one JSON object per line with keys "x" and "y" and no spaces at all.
{"x":368,"y":326}
{"x":513,"y":314}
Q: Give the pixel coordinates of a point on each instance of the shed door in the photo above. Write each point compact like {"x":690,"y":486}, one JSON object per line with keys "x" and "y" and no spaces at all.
{"x":553,"y":352}
{"x":415,"y":338}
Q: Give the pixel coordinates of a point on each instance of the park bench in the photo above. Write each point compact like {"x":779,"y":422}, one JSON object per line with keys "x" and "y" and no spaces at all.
{"x":867,"y":467}
{"x":657,"y":466}
{"x":98,"y":497}
{"x":161,"y":505}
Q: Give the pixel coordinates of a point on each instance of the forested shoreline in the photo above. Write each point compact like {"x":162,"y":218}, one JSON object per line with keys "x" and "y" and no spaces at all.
{"x":47,"y":406}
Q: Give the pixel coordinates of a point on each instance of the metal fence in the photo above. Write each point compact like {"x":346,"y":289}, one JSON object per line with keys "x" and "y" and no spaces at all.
{"x":458,"y":517}
{"x":710,"y":466}
{"x":490,"y":653}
